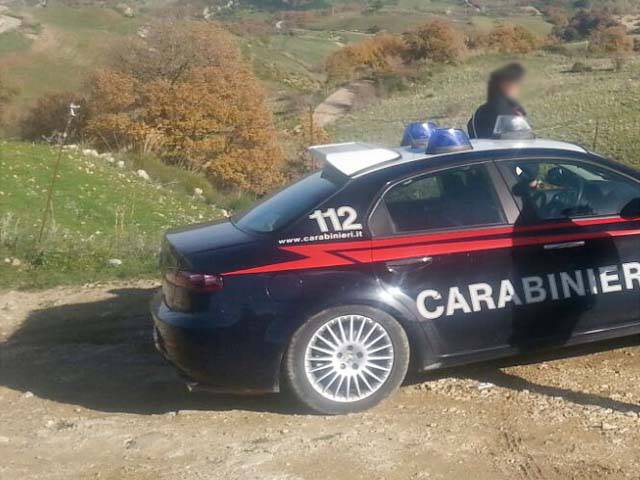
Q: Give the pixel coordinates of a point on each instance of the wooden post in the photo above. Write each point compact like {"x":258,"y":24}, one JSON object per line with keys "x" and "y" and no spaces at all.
{"x":56,"y":169}
{"x":595,"y":134}
{"x":313,"y":162}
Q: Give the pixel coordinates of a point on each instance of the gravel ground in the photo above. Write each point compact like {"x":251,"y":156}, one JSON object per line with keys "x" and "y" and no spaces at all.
{"x":83,"y":395}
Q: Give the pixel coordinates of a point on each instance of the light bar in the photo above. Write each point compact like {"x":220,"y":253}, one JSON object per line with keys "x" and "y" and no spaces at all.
{"x":445,"y":140}
{"x":416,"y":134}
{"x":512,"y":127}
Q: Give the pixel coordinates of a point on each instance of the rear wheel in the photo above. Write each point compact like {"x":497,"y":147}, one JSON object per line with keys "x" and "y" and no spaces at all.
{"x":347,"y":359}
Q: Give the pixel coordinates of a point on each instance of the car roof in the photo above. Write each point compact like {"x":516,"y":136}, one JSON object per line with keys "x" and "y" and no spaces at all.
{"x":356,"y":158}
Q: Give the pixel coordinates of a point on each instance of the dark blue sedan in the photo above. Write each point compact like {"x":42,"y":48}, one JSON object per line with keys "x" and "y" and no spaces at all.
{"x":396,"y":258}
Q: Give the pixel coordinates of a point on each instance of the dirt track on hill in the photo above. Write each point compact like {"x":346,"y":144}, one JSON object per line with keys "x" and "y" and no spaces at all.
{"x":83,"y":395}
{"x":343,"y":101}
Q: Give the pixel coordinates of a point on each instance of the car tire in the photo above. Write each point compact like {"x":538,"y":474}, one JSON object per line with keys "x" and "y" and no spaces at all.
{"x":346,"y":359}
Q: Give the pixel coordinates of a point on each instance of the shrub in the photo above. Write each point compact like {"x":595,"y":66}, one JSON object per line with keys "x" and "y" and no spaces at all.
{"x":370,"y":57}
{"x":436,"y":40}
{"x":507,"y":38}
{"x":185,"y":94}
{"x":584,"y":23}
{"x":48,"y":117}
{"x":619,"y":61}
{"x":611,"y":40}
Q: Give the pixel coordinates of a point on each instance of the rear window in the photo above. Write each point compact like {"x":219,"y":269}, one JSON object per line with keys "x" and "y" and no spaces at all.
{"x":287,"y":205}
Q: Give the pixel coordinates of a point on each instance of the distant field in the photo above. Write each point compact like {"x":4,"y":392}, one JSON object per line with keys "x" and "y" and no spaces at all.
{"x":386,"y":20}
{"x":535,"y":23}
{"x":69,"y":43}
{"x":11,"y":42}
{"x":100,"y":212}
{"x":561,"y":105}
{"x":85,"y":19}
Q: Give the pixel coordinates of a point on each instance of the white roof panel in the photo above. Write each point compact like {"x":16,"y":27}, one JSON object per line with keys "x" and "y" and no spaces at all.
{"x":354,"y":157}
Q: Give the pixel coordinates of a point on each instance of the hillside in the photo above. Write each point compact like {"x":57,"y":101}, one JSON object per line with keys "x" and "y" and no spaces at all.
{"x":561,"y":104}
{"x":100,"y":212}
{"x":54,"y":48}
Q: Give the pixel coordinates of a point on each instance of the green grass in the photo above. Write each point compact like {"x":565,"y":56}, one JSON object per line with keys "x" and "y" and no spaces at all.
{"x":384,"y":20}
{"x":561,"y":105}
{"x":534,"y":23}
{"x":71,"y":42}
{"x":100,"y":212}
{"x":13,"y":42}
{"x":85,"y":18}
{"x":292,"y":61}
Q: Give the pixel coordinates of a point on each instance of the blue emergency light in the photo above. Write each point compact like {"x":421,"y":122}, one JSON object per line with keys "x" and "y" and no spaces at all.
{"x":444,"y":140}
{"x":416,"y":134}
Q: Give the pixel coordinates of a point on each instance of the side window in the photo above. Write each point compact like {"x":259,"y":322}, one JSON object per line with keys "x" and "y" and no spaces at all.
{"x":459,"y":197}
{"x":552,"y":190}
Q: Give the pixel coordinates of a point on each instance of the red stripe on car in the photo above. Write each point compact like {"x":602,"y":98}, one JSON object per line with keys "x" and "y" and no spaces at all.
{"x":338,"y":254}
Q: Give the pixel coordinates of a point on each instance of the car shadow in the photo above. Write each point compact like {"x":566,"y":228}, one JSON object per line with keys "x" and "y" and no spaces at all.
{"x":492,"y":372}
{"x":100,"y":355}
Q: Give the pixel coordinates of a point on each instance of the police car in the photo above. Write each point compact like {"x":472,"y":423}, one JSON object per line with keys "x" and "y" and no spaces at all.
{"x":443,"y":252}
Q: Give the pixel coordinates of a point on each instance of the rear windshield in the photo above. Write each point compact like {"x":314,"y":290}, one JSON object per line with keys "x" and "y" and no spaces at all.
{"x":287,"y":205}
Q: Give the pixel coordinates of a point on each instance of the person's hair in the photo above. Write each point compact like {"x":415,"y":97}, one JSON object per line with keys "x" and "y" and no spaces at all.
{"x":512,"y":72}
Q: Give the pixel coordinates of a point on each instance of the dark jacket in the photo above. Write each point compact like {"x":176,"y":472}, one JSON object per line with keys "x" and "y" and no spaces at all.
{"x":483,"y":121}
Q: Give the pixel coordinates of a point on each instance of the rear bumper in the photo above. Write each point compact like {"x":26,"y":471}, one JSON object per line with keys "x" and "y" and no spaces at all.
{"x":233,"y":358}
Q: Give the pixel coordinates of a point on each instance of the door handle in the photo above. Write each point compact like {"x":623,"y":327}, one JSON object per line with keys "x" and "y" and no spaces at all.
{"x":561,"y":246}
{"x":409,"y":262}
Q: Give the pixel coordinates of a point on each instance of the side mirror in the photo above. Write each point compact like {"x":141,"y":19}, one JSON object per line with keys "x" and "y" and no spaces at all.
{"x":631,"y":210}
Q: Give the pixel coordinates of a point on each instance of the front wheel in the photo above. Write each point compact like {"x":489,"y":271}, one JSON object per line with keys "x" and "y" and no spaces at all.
{"x":347,"y":359}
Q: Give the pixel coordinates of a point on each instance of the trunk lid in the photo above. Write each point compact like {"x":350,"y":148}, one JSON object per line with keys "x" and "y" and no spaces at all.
{"x":209,"y":248}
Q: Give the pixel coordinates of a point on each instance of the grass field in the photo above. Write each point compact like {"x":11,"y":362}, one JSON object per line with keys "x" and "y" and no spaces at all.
{"x":534,"y":23}
{"x":100,"y":212}
{"x":69,"y":43}
{"x":560,"y":104}
{"x":12,"y":42}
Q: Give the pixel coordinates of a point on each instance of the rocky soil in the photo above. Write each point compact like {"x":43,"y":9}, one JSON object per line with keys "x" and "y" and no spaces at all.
{"x":83,"y":395}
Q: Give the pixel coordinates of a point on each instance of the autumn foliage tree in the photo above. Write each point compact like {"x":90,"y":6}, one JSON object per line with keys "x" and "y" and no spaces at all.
{"x":507,"y":38}
{"x":375,"y":55}
{"x":185,"y":93}
{"x":611,"y":40}
{"x":436,"y":40}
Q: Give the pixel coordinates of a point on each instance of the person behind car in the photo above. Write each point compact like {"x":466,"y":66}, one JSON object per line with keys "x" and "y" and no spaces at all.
{"x":503,"y":90}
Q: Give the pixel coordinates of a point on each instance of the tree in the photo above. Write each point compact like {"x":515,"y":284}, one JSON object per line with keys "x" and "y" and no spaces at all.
{"x":436,"y":40}
{"x":583,"y":23}
{"x":375,"y":55}
{"x":507,"y":38}
{"x":611,"y":40}
{"x":185,"y":93}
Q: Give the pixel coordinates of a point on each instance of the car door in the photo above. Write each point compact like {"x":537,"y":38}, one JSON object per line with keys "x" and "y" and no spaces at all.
{"x":441,"y":246}
{"x":571,"y":235}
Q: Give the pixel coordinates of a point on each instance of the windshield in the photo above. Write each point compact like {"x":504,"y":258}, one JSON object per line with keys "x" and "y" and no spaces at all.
{"x":285,"y":206}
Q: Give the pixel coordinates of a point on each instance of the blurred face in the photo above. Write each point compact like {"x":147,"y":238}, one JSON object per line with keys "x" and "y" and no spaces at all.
{"x":512,"y":89}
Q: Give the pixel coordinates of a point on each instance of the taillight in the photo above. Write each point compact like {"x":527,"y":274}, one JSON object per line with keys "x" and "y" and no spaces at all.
{"x":197,"y":282}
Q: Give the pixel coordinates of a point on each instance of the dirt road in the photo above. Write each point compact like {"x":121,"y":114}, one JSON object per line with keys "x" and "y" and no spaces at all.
{"x":83,"y":395}
{"x":343,"y":101}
